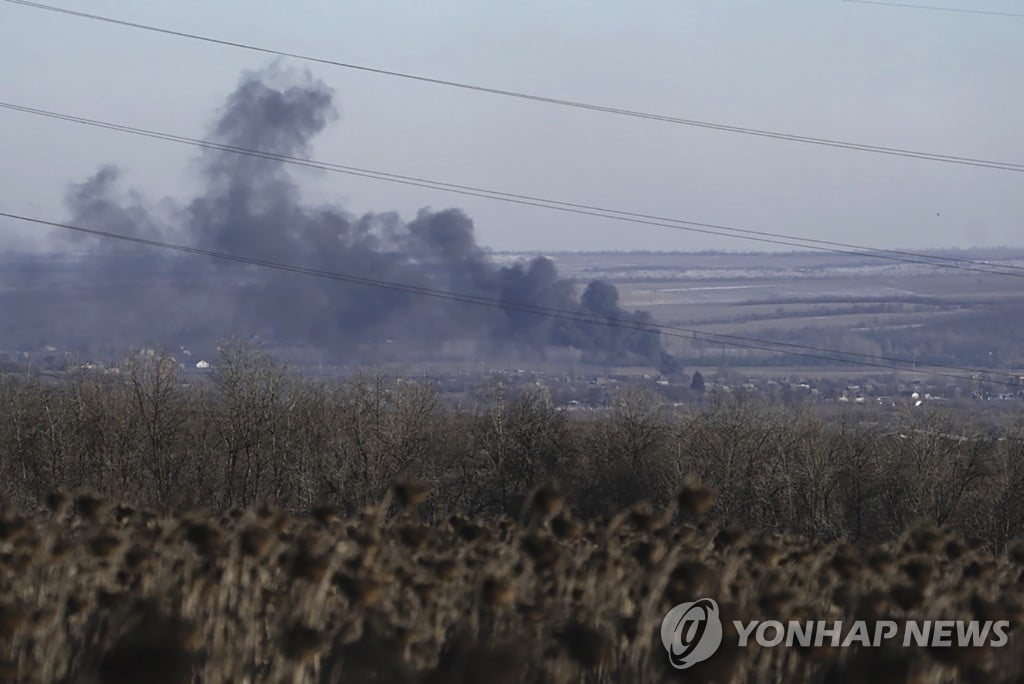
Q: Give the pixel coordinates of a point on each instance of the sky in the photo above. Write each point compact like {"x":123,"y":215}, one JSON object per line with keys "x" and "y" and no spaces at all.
{"x":932,"y":81}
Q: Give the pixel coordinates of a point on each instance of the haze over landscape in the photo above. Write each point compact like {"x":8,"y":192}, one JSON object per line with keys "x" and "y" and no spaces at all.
{"x":261,"y":209}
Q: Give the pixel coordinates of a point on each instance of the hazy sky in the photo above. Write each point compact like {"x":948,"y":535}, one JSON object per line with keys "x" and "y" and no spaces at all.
{"x":932,"y":81}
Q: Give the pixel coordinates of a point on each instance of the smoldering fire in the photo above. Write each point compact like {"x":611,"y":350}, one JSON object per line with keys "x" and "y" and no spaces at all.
{"x":250,"y":206}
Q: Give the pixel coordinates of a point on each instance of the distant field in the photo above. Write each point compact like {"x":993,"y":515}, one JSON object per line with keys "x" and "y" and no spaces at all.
{"x":843,"y":302}
{"x":829,"y":301}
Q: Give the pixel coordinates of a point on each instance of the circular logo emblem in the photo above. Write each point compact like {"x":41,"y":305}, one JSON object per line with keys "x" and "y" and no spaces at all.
{"x":691,"y":633}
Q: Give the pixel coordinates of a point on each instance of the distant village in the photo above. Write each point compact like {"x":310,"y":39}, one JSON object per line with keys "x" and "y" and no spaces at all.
{"x":590,"y":388}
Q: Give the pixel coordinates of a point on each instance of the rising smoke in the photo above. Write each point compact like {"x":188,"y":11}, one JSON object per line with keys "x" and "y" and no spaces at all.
{"x":112,"y":293}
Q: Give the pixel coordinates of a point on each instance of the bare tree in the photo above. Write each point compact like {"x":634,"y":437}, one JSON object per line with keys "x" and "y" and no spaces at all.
{"x":252,"y":393}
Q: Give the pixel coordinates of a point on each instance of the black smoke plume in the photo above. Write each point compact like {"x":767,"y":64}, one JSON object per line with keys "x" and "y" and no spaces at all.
{"x":106,"y":293}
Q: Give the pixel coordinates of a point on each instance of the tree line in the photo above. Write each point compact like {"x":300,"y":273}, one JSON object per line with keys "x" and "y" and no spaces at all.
{"x":256,"y":432}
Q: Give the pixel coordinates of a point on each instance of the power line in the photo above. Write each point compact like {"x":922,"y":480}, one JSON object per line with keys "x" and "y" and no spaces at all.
{"x":937,"y":8}
{"x":547,"y":203}
{"x":764,"y":133}
{"x":577,"y":316}
{"x":425,"y":183}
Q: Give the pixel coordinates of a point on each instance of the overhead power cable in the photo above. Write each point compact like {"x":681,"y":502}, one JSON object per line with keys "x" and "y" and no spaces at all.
{"x":778,"y":135}
{"x":577,"y":316}
{"x":902,"y":256}
{"x":937,"y":8}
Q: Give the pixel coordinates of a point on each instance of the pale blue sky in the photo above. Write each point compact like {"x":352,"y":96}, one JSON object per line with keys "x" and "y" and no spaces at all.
{"x":933,"y":81}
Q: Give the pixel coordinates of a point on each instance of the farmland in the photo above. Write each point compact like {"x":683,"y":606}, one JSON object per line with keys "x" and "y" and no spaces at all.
{"x":95,"y":591}
{"x":846,"y":302}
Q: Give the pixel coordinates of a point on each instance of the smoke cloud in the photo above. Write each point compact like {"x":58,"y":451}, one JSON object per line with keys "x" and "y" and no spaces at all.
{"x":97,"y":293}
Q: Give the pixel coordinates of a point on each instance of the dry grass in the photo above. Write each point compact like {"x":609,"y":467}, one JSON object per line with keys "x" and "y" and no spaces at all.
{"x":96,"y":592}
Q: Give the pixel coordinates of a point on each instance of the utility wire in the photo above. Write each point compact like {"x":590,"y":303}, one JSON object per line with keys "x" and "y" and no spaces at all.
{"x":791,"y":137}
{"x":936,"y":8}
{"x":577,"y":316}
{"x":424,"y":183}
{"x":547,"y":203}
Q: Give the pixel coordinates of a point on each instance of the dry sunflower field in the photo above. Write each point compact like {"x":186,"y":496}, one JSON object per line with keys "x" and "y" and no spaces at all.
{"x":96,"y":591}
